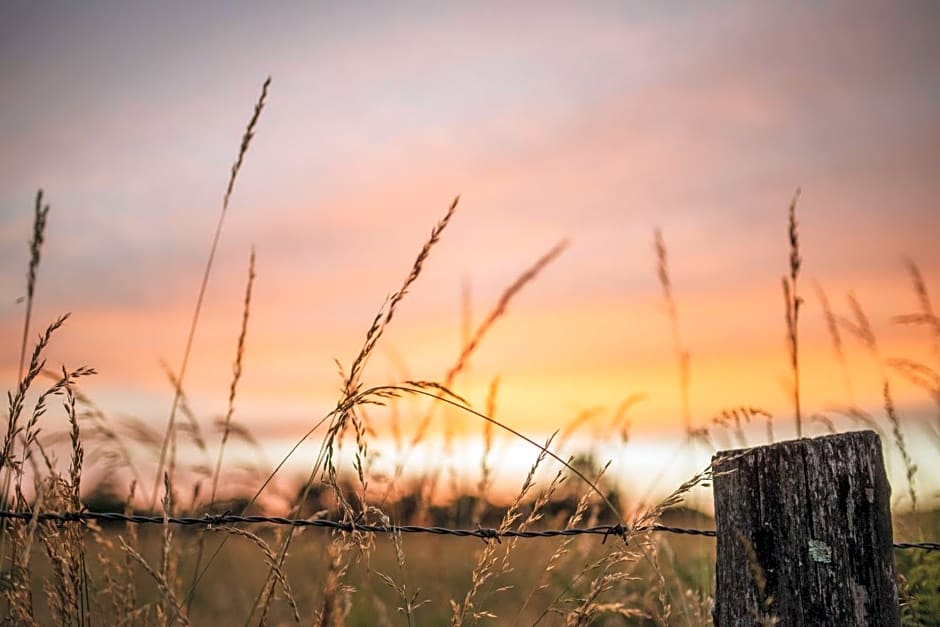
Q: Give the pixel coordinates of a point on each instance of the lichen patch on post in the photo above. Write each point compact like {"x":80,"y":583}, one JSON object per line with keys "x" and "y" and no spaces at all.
{"x":820,"y":552}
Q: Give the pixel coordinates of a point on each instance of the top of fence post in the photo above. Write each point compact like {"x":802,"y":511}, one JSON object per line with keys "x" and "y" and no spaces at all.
{"x":804,"y":534}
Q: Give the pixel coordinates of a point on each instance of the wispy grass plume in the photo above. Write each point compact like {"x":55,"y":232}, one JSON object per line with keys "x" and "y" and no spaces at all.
{"x":226,"y":425}
{"x":909,"y":466}
{"x":35,"y":253}
{"x":500,"y":309}
{"x":236,"y":167}
{"x":793,"y":301}
{"x":471,"y":345}
{"x":681,"y":353}
{"x":861,"y":328}
{"x":345,"y":412}
{"x":236,"y":377}
{"x":488,"y":565}
{"x":832,"y":326}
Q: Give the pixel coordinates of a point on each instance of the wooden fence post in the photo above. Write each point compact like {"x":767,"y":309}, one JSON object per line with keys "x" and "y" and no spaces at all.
{"x":804,"y":534}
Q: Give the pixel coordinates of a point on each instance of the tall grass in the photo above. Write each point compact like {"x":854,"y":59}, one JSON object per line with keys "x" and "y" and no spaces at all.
{"x":226,"y":429}
{"x":74,"y":574}
{"x":236,"y":167}
{"x":793,"y":302}
{"x":35,"y":252}
{"x":860,"y":327}
{"x":672,"y":314}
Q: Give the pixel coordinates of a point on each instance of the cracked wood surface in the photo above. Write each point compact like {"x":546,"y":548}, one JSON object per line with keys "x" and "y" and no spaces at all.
{"x":804,"y":534}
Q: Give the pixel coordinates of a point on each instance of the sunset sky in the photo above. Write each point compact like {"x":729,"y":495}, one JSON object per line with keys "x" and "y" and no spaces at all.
{"x":593,"y":123}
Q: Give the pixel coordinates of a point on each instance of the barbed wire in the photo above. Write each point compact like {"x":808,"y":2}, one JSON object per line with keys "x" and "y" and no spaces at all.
{"x":484,"y":533}
{"x":926,"y":546}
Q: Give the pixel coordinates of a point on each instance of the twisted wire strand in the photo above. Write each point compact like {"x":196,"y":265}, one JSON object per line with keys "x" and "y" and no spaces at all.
{"x":484,"y":533}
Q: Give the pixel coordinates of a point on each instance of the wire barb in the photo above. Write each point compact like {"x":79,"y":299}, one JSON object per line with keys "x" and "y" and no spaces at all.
{"x":617,"y":530}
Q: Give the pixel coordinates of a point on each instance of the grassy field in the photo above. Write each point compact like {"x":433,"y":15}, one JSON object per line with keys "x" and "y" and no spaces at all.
{"x":436,"y":571}
{"x":82,"y":574}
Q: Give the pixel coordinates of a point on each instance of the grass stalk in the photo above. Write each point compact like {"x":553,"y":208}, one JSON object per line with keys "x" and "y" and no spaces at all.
{"x":672,"y":311}
{"x":236,"y":167}
{"x":473,"y":342}
{"x":345,"y":408}
{"x":862,"y":329}
{"x":227,"y":420}
{"x":832,"y":326}
{"x":793,"y":301}
{"x":35,"y":252}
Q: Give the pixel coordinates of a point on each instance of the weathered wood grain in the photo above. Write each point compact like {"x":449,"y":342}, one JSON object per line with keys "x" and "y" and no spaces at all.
{"x":804,"y":534}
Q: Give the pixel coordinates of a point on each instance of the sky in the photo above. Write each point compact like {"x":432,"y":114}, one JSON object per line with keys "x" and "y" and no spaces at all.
{"x":591,"y":123}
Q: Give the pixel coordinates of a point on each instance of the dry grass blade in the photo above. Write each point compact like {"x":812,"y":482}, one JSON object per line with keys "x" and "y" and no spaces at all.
{"x":926,"y":315}
{"x":486,"y":566}
{"x":500,"y":309}
{"x":580,"y":419}
{"x":246,"y":141}
{"x":562,"y":549}
{"x":162,"y":585}
{"x":271,"y":560}
{"x":141,"y":433}
{"x":793,"y":301}
{"x":66,"y":589}
{"x":226,"y":425}
{"x":119,"y":574}
{"x":860,"y":327}
{"x":734,"y":417}
{"x":502,"y":304}
{"x":921,"y":375}
{"x":602,"y":575}
{"x":17,"y":400}
{"x":191,"y":427}
{"x":665,"y":608}
{"x":900,"y":442}
{"x":398,"y":389}
{"x":340,"y":417}
{"x":335,"y":606}
{"x":167,"y":562}
{"x":78,"y":453}
{"x":15,"y":584}
{"x":410,"y":600}
{"x":620,"y":422}
{"x":832,"y":326}
{"x":646,"y":519}
{"x":9,"y":466}
{"x":470,"y":346}
{"x":926,"y":378}
{"x":386,"y":313}
{"x":238,"y":431}
{"x":824,"y":420}
{"x":236,"y":167}
{"x":62,"y":386}
{"x":35,"y":253}
{"x":485,"y":466}
{"x":100,"y":429}
{"x":681,"y":353}
{"x":421,"y":258}
{"x":862,"y":417}
{"x":236,"y":376}
{"x":920,"y":287}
